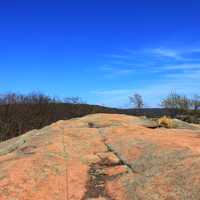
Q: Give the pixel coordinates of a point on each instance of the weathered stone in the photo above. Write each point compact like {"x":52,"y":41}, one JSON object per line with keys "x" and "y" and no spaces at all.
{"x":146,"y":122}
{"x":109,"y":158}
{"x":101,"y":157}
{"x":176,"y":123}
{"x":116,"y":170}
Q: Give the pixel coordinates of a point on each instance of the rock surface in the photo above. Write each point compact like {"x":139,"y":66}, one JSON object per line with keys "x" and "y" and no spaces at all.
{"x":102,"y":157}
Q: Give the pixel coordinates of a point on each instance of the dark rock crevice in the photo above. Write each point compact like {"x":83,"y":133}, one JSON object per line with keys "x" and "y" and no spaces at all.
{"x":110,"y":149}
{"x":96,"y":184}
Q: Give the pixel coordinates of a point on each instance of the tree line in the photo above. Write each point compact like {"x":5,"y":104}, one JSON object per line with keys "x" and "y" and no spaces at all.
{"x":20,"y":113}
{"x":171,"y":101}
{"x":36,"y":98}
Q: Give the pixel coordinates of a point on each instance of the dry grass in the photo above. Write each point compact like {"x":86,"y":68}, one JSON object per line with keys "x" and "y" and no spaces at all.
{"x":165,"y":122}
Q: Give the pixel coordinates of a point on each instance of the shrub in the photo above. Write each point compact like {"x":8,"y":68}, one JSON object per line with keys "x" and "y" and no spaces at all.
{"x":176,"y":101}
{"x":165,"y":122}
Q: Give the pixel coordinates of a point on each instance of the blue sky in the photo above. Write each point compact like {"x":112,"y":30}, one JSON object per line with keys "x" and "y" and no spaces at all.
{"x":102,"y":51}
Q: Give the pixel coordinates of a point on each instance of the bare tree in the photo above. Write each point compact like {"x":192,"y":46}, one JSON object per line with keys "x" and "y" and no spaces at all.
{"x":32,"y":98}
{"x":196,"y":102}
{"x":176,"y":101}
{"x":9,"y":98}
{"x":137,"y":100}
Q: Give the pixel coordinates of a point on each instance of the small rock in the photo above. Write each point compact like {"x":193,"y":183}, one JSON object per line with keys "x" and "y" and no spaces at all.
{"x":146,"y":122}
{"x":109,"y":158}
{"x":112,"y":171}
{"x":91,"y":159}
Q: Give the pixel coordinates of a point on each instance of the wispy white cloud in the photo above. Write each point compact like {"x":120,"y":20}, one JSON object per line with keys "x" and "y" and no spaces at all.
{"x":154,"y":60}
{"x":187,"y":66}
{"x":175,"y":54}
{"x":192,"y":50}
{"x":193,"y":76}
{"x":170,"y":53}
{"x":166,"y":69}
{"x":152,"y":93}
